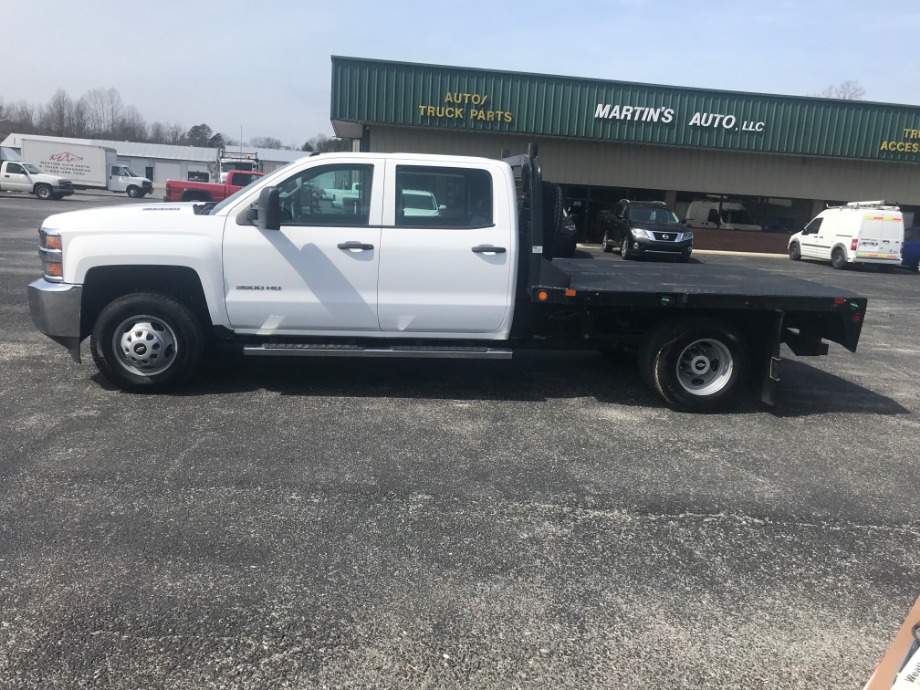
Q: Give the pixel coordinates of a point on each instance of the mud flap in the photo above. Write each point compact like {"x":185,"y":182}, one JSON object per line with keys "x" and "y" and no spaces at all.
{"x":771,"y":361}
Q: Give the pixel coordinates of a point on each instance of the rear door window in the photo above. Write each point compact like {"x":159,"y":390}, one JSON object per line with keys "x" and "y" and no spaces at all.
{"x":443,"y":197}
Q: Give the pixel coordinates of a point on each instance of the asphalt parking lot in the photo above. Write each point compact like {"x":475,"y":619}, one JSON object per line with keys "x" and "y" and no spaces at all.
{"x":539,"y":523}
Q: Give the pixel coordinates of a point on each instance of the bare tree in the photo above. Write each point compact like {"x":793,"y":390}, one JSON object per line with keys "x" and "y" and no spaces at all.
{"x":112,"y":108}
{"x":175,"y":134}
{"x":131,"y":125}
{"x":93,"y":106}
{"x":103,"y":111}
{"x":848,"y":90}
{"x":22,"y":115}
{"x":79,"y":126}
{"x":156,"y":133}
{"x":265,"y":143}
{"x":58,"y":114}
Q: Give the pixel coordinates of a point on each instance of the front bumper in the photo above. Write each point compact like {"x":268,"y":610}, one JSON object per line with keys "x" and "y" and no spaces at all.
{"x":641,"y":245}
{"x":55,"y":309}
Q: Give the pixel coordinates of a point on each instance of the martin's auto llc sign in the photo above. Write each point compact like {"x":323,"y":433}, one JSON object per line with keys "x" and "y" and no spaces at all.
{"x":639,"y":113}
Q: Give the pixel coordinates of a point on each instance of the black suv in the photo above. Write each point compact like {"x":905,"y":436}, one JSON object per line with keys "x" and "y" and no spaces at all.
{"x":639,"y":228}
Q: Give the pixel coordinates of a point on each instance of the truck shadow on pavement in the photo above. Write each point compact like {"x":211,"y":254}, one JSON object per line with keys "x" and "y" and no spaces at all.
{"x":529,"y":377}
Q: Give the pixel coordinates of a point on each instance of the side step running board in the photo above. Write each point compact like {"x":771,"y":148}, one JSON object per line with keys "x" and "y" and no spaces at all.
{"x":420,"y":351}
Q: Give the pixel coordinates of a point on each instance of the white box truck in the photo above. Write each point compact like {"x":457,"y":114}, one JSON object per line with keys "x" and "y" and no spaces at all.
{"x":86,"y":165}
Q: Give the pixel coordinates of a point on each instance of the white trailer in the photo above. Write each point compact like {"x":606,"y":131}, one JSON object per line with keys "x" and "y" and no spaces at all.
{"x":88,"y":166}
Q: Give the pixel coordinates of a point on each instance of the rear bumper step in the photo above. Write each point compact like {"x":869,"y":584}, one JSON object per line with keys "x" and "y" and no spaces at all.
{"x":343,"y":350}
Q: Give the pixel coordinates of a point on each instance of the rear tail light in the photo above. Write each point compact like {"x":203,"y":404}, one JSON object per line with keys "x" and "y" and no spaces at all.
{"x":853,"y":244}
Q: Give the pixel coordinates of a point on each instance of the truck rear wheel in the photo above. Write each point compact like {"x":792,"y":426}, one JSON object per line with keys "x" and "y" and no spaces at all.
{"x":147,"y":342}
{"x":697,"y":365}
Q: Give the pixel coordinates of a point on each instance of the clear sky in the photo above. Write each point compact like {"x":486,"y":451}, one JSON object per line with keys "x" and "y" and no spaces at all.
{"x":263,"y":66}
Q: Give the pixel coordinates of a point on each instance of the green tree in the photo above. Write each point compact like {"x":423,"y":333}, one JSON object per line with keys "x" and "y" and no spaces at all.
{"x":199,"y":135}
{"x":323,"y":144}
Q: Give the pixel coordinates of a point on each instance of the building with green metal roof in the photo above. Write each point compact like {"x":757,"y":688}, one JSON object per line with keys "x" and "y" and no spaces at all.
{"x":785,"y":157}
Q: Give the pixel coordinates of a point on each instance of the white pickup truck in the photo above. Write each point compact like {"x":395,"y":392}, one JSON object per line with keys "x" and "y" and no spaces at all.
{"x":277,"y":270}
{"x":17,"y":176}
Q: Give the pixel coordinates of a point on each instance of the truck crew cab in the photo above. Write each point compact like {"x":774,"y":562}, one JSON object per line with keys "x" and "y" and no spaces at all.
{"x":278,"y":270}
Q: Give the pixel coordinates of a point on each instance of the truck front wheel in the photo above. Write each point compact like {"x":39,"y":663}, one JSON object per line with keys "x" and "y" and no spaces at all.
{"x":43,"y":191}
{"x":134,"y":192}
{"x":147,"y":342}
{"x":697,"y":365}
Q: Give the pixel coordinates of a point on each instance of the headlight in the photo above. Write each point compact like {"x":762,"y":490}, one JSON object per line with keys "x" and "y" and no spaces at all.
{"x":686,"y":236}
{"x":639,"y":232}
{"x":51,"y":252}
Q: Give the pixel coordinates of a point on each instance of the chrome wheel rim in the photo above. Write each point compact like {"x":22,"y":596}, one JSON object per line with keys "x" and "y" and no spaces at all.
{"x":145,"y":345}
{"x":705,"y":367}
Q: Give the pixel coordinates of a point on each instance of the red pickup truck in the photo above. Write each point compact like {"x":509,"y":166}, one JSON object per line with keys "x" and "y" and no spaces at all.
{"x":177,"y":190}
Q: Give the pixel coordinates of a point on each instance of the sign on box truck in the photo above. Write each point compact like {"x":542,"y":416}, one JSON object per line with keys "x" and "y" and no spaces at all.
{"x":88,"y":166}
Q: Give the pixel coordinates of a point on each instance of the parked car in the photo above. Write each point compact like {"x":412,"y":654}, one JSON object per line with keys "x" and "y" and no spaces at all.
{"x":862,"y":232}
{"x":719,"y":215}
{"x":910,"y":250}
{"x":642,"y":228}
{"x":419,"y":203}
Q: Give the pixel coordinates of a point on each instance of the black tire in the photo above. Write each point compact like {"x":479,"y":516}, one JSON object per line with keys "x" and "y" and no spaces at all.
{"x":916,"y":268}
{"x":605,"y":243}
{"x":795,"y":252}
{"x":625,"y":251}
{"x":838,"y":259}
{"x":696,"y":365}
{"x":134,"y":192}
{"x":43,"y":191}
{"x":552,"y":216}
{"x":147,"y":342}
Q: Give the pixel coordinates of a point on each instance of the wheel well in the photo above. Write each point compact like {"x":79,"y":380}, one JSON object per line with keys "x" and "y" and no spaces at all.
{"x":106,"y":283}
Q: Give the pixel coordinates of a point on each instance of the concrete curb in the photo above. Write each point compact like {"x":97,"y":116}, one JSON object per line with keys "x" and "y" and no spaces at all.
{"x":723,"y":252}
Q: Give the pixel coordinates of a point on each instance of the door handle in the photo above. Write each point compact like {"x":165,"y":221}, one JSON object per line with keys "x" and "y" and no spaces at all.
{"x":360,"y":246}
{"x":488,"y":249}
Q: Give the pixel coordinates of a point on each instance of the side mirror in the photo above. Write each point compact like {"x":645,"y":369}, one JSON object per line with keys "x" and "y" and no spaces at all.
{"x":713,"y":217}
{"x":266,"y":214}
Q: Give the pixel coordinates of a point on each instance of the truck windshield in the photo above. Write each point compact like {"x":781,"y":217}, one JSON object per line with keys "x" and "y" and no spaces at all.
{"x":31,"y":168}
{"x":129,"y":172}
{"x":227,"y":167}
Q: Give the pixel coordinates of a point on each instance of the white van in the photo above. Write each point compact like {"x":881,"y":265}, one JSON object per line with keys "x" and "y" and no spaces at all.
{"x":864,"y":232}
{"x":705,"y":213}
